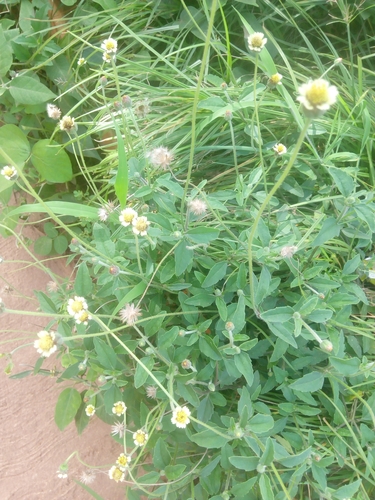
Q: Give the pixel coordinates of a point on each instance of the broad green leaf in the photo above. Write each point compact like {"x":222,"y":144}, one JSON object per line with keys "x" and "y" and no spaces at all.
{"x":183,"y":257}
{"x":244,"y":487}
{"x":209,"y":439}
{"x":203,"y":234}
{"x":244,"y":366}
{"x":15,"y":144}
{"x":207,"y":347}
{"x":111,"y":396}
{"x":347,"y":491}
{"x":310,"y":382}
{"x":67,"y":406}
{"x":201,"y":299}
{"x":244,"y":463}
{"x":343,"y":181}
{"x":51,"y":161}
{"x":215,"y":274}
{"x":265,"y":487}
{"x":262,"y":286}
{"x":294,"y":460}
{"x":43,"y":245}
{"x":320,"y":315}
{"x":27,"y":90}
{"x":329,"y":230}
{"x":107,"y":4}
{"x":106,"y":354}
{"x":278,"y":315}
{"x":122,"y":176}
{"x":284,"y":332}
{"x":6,"y":58}
{"x":261,"y":423}
{"x":345,"y":367}
{"x":153,"y":325}
{"x":161,"y":455}
{"x":83,"y":282}
{"x":58,"y":208}
{"x":351,"y":265}
{"x":365,"y":213}
{"x":173,"y":472}
{"x":46,"y":304}
{"x":81,"y":419}
{"x":60,"y":244}
{"x":141,"y":375}
{"x":268,"y":454}
{"x":222,"y":308}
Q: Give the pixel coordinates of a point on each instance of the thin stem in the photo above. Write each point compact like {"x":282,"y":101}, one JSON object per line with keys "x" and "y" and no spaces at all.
{"x":266,"y":202}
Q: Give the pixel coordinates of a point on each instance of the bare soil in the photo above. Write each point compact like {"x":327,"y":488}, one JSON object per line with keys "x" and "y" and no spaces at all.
{"x":32,"y":447}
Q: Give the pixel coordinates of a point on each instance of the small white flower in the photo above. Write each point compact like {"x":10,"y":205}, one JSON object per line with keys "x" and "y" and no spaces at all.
{"x":160,"y":157}
{"x":81,"y":61}
{"x":109,"y":45}
{"x":53,"y":111}
{"x":67,"y":124}
{"x":127,"y":216}
{"x":119,"y":408}
{"x":90,"y":410}
{"x":83,"y":317}
{"x":62,"y":471}
{"x":274,"y":80}
{"x":116,"y":474}
{"x":288,"y":251}
{"x":140,"y":437}
{"x":52,"y":286}
{"x":45,"y":345}
{"x":140,"y":225}
{"x":256,"y":41}
{"x":151,"y":391}
{"x":279,"y":149}
{"x":197,"y":207}
{"x":107,"y":57}
{"x":9,"y":172}
{"x":76,"y":306}
{"x":123,"y":461}
{"x":118,"y":428}
{"x":130,"y":314}
{"x":316,"y":97}
{"x":181,"y":416}
{"x":87,"y":477}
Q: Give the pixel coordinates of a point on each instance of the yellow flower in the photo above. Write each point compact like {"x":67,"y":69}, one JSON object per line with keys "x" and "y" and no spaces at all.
{"x":256,"y":41}
{"x":116,"y":474}
{"x":119,"y":408}
{"x":274,"y":80}
{"x":316,"y":97}
{"x":123,"y":461}
{"x":76,"y":306}
{"x":279,"y":149}
{"x":109,"y":46}
{"x":181,"y":416}
{"x":140,"y":438}
{"x":45,"y":345}
{"x":90,"y":410}
{"x":140,"y":225}
{"x":9,"y":172}
{"x":126,"y":216}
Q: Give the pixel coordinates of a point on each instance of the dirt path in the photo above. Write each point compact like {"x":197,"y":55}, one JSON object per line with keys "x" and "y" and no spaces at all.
{"x":32,"y":447}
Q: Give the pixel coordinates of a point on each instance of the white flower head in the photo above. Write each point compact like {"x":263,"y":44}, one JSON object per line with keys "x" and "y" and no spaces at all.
{"x":279,"y":149}
{"x":9,"y":172}
{"x":76,"y":306}
{"x":53,"y":111}
{"x":119,"y":408}
{"x":140,"y":437}
{"x":109,"y":45}
{"x":127,"y":216}
{"x":108,"y":57}
{"x":81,"y":61}
{"x":181,"y":416}
{"x":274,"y":80}
{"x":118,"y":428}
{"x":105,"y":210}
{"x":140,"y":225}
{"x":142,"y":108}
{"x":87,"y":477}
{"x":130,"y":314}
{"x":288,"y":251}
{"x":197,"y":206}
{"x":256,"y":41}
{"x":316,"y":97}
{"x":83,"y":317}
{"x":116,"y":474}
{"x":45,"y":344}
{"x":123,"y":461}
{"x":160,"y":157}
{"x":90,"y":410}
{"x":151,"y":391}
{"x":68,"y":124}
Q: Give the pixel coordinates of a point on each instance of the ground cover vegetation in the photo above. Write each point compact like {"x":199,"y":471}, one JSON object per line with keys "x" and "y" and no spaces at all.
{"x":207,"y":167}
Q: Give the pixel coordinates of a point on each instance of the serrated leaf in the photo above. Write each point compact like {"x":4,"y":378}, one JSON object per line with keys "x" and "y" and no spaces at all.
{"x":345,"y":367}
{"x":51,"y":161}
{"x":173,"y":472}
{"x":67,"y":406}
{"x":207,"y":346}
{"x":310,"y":382}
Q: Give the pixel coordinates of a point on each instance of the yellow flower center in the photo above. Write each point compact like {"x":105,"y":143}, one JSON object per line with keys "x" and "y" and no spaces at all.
{"x":128,"y":216}
{"x":8,"y":171}
{"x":181,"y":417}
{"x":84,"y":316}
{"x":119,"y":409}
{"x":117,"y":474}
{"x":275,"y":78}
{"x":46,"y":343}
{"x":90,"y":410}
{"x":77,"y":306}
{"x":140,"y":438}
{"x":122,"y":460}
{"x":257,"y":41}
{"x":317,"y":94}
{"x":110,"y":45}
{"x":141,"y":225}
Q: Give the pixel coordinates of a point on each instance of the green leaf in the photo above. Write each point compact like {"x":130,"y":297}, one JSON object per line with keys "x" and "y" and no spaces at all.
{"x":81,"y":419}
{"x":15,"y":144}
{"x":268,"y":454}
{"x":330,"y":229}
{"x":89,"y":490}
{"x":83,"y":282}
{"x":106,"y":354}
{"x":262,"y":286}
{"x":51,"y":161}
{"x":107,"y":4}
{"x":209,"y":439}
{"x":244,"y":487}
{"x":310,"y":382}
{"x":122,"y":176}
{"x":60,"y":244}
{"x":66,"y":408}
{"x":173,"y":472}
{"x":244,"y":463}
{"x":57,"y":207}
{"x":365,"y":213}
{"x":27,"y":90}
{"x":347,"y":491}
{"x":294,"y":460}
{"x":278,"y":315}
{"x":343,"y":181}
{"x":6,"y":58}
{"x":222,"y":308}
{"x":261,"y":423}
{"x":46,"y":303}
{"x":320,"y":315}
{"x":153,"y":325}
{"x":203,"y":234}
{"x":244,"y":366}
{"x":161,"y":455}
{"x":135,"y":292}
{"x":207,"y":346}
{"x":282,"y":331}
{"x":183,"y":257}
{"x":141,"y":375}
{"x":345,"y":367}
{"x":215,"y":274}
{"x":265,"y":487}
{"x":43,"y":245}
{"x":351,"y":265}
